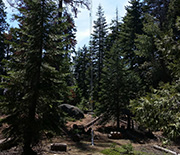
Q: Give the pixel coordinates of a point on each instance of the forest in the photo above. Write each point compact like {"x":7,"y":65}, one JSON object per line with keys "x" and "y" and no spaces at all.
{"x":131,"y":67}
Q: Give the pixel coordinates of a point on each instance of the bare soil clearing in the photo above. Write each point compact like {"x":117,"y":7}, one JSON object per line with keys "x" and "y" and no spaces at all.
{"x":101,"y":142}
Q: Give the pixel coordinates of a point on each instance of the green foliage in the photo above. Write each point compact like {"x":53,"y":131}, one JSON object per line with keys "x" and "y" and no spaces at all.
{"x":124,"y":149}
{"x":82,"y":74}
{"x":98,"y":48}
{"x":118,"y":85}
{"x":140,"y":53}
{"x":3,"y":28}
{"x":132,"y":25}
{"x":159,"y":10}
{"x":159,"y":110}
{"x":152,"y":67}
{"x":119,"y":82}
{"x":84,"y":105}
{"x":169,"y":45}
{"x":35,"y":83}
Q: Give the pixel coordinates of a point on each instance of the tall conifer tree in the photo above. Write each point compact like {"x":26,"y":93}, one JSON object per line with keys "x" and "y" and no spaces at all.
{"x":34,"y":87}
{"x":98,"y":47}
{"x":82,"y":73}
{"x":132,"y":25}
{"x":159,"y":10}
{"x":3,"y":27}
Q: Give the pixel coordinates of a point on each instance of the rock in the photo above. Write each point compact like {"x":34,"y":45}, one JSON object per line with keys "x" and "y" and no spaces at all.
{"x":59,"y":147}
{"x":72,"y":111}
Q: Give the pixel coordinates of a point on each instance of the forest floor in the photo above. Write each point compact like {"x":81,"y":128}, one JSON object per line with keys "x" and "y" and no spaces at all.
{"x":101,"y":142}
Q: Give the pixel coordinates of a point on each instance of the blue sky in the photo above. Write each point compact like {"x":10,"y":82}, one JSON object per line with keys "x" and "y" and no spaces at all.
{"x":82,"y":21}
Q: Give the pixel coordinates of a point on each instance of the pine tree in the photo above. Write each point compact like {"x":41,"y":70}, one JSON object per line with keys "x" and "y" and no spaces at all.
{"x":153,"y":67}
{"x":98,"y":48}
{"x":132,"y":25}
{"x":3,"y":27}
{"x":111,"y":75}
{"x":159,"y":109}
{"x":173,"y":14}
{"x":82,"y":74}
{"x":159,"y":10}
{"x":73,"y":4}
{"x":118,"y":82}
{"x":34,"y":87}
{"x":112,"y":83}
{"x":115,"y":28}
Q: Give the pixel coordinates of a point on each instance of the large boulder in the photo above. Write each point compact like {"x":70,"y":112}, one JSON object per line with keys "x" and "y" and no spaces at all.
{"x":72,"y":111}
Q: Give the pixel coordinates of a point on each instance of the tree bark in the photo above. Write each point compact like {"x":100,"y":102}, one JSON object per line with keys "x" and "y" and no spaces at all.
{"x":60,"y":8}
{"x":129,"y":122}
{"x":117,"y":117}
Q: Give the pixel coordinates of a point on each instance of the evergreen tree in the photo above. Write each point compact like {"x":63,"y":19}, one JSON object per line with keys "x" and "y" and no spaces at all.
{"x":173,"y":13}
{"x":112,"y":85}
{"x":159,"y":109}
{"x":34,"y":87}
{"x":115,"y":28}
{"x":159,"y":10}
{"x":3,"y":27}
{"x":112,"y":74}
{"x":168,"y":44}
{"x":98,"y":48}
{"x":118,"y":83}
{"x":152,"y":68}
{"x":82,"y":73}
{"x":74,"y":4}
{"x":132,"y":25}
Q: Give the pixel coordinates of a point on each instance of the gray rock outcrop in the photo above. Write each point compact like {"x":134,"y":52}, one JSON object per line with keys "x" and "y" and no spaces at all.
{"x":72,"y":111}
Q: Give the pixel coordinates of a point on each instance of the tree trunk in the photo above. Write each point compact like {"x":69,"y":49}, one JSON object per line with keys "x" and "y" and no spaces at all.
{"x":132,"y":125}
{"x":27,"y":150}
{"x":30,"y":132}
{"x":60,"y":8}
{"x":129,"y":122}
{"x":117,"y":117}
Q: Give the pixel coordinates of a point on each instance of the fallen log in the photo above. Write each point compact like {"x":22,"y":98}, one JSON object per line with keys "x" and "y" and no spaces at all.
{"x":92,"y":122}
{"x":165,"y":150}
{"x":123,"y":121}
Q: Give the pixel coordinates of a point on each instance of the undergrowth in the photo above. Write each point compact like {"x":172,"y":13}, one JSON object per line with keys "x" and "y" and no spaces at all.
{"x":124,"y":149}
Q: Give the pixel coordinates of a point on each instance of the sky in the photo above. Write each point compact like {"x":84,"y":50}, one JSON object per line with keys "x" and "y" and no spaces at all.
{"x":82,"y":21}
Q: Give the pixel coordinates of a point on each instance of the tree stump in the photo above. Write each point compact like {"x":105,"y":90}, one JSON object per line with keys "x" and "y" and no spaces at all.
{"x":59,"y":147}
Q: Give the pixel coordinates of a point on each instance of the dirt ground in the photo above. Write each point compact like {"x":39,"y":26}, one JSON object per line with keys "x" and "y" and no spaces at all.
{"x":101,"y":141}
